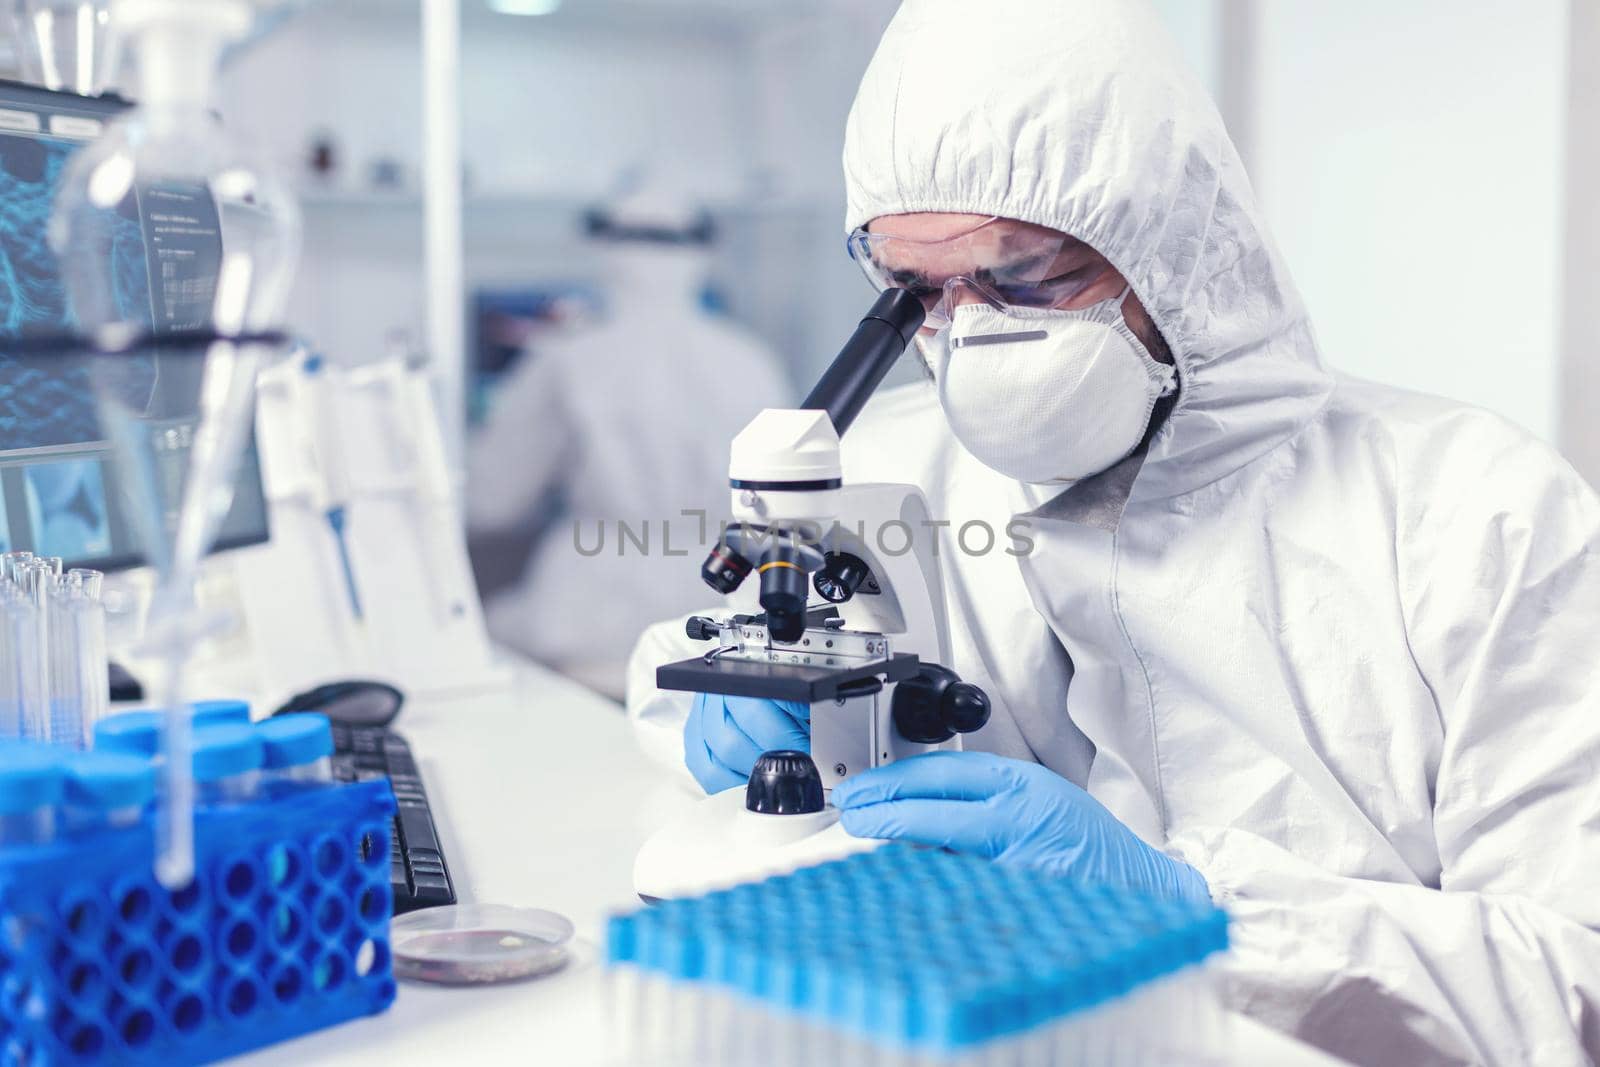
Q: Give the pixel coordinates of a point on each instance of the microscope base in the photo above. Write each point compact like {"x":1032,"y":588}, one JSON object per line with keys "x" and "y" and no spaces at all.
{"x":720,"y":844}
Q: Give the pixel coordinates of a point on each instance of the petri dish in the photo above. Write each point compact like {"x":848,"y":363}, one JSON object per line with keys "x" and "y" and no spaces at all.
{"x":473,"y":944}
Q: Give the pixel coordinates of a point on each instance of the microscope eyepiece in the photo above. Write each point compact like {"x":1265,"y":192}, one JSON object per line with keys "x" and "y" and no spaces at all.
{"x":855,"y":373}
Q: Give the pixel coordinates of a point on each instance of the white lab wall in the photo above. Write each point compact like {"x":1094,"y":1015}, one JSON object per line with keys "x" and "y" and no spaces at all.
{"x":1580,"y":378}
{"x":1410,"y":161}
{"x":354,"y":71}
{"x":743,"y":103}
{"x":808,"y":292}
{"x":1197,"y":25}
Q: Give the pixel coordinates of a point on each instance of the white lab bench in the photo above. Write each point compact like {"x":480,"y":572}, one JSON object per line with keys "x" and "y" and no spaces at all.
{"x":541,"y":799}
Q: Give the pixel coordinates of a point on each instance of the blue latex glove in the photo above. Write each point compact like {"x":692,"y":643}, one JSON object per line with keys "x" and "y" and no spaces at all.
{"x":1013,"y":812}
{"x":726,"y":735}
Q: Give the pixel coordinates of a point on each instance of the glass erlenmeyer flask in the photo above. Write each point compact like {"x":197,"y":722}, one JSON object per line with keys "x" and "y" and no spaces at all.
{"x":177,"y":254}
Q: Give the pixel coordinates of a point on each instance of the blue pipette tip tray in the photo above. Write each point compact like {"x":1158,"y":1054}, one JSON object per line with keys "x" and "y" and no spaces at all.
{"x":919,"y":948}
{"x":284,"y":930}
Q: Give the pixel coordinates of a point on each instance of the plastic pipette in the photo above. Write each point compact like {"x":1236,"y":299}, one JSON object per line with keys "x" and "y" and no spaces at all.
{"x":335,"y":484}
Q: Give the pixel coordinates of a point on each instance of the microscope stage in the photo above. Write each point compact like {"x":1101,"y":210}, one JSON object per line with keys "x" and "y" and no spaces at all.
{"x":807,"y":683}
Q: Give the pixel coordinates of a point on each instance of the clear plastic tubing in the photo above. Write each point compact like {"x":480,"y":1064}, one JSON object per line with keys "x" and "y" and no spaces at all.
{"x":106,"y":790}
{"x":137,"y":733}
{"x":31,"y":779}
{"x":227,"y":763}
{"x":213,"y":712}
{"x":297,"y":749}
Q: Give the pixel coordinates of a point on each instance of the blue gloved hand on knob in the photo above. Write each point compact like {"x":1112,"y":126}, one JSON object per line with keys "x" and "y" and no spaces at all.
{"x":725,"y":735}
{"x":1013,"y":812}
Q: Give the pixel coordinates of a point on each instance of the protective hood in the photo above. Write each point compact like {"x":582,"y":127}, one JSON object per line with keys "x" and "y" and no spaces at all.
{"x":1083,"y":116}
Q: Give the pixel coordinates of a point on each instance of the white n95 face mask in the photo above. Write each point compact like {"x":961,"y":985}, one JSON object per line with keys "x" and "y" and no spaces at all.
{"x":1047,"y":395}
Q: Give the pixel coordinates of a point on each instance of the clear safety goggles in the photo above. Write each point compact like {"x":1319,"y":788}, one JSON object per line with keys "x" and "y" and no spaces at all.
{"x":1011,"y":265}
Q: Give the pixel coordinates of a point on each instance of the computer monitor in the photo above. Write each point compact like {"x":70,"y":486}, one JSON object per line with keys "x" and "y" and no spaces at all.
{"x":59,"y":491}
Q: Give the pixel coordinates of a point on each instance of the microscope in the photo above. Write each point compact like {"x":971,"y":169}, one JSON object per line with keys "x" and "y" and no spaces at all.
{"x":866,"y":653}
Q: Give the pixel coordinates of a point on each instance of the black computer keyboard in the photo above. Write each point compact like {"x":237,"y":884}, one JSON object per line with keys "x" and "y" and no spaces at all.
{"x":417,"y":870}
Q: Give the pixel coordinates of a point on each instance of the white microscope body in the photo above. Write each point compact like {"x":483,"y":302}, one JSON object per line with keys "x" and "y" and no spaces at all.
{"x":865,"y":653}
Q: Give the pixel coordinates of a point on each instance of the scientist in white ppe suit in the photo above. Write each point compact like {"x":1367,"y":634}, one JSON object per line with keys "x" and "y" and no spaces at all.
{"x":1322,"y":649}
{"x":624,"y":424}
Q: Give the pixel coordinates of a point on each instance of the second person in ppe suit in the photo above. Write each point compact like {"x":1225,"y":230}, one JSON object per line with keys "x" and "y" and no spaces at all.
{"x":624,"y":423}
{"x":1319,"y":648}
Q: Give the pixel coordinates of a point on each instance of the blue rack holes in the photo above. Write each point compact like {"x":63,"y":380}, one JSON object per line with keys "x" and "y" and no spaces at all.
{"x":84,"y":917}
{"x":330,"y":856}
{"x":186,"y":954}
{"x":85,"y":983}
{"x":288,"y":982}
{"x":186,"y":903}
{"x":136,"y":969}
{"x":100,"y":965}
{"x":86,"y":1040}
{"x":372,"y":845}
{"x":288,"y":927}
{"x":285,"y":865}
{"x":329,"y":972}
{"x":135,"y":903}
{"x":371,"y":955}
{"x":239,"y":940}
{"x":374,"y":903}
{"x":240,"y":878}
{"x":137,"y":1028}
{"x":186,"y":1010}
{"x":331,"y":915}
{"x":240,"y":995}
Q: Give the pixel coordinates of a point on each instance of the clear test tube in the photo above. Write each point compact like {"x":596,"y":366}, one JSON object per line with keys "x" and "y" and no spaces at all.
{"x":29,"y":633}
{"x":65,"y":664}
{"x":89,"y":620}
{"x":43,"y":582}
{"x":11,"y":564}
{"x":31,"y":778}
{"x":10,"y":663}
{"x":227,"y":763}
{"x":90,"y":581}
{"x":106,"y":791}
{"x":296,"y":750}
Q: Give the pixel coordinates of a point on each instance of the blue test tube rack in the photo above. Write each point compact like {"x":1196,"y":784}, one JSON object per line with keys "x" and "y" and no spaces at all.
{"x":906,"y":957}
{"x":284,"y":930}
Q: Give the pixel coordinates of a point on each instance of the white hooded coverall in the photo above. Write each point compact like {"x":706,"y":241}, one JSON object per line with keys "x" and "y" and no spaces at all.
{"x":1335,"y":644}
{"x":629,"y":422}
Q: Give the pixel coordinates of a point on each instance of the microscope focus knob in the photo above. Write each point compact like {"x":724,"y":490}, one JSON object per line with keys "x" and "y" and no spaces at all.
{"x":700,"y":628}
{"x":965,"y":707}
{"x":784,"y":782}
{"x":935,"y":704}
